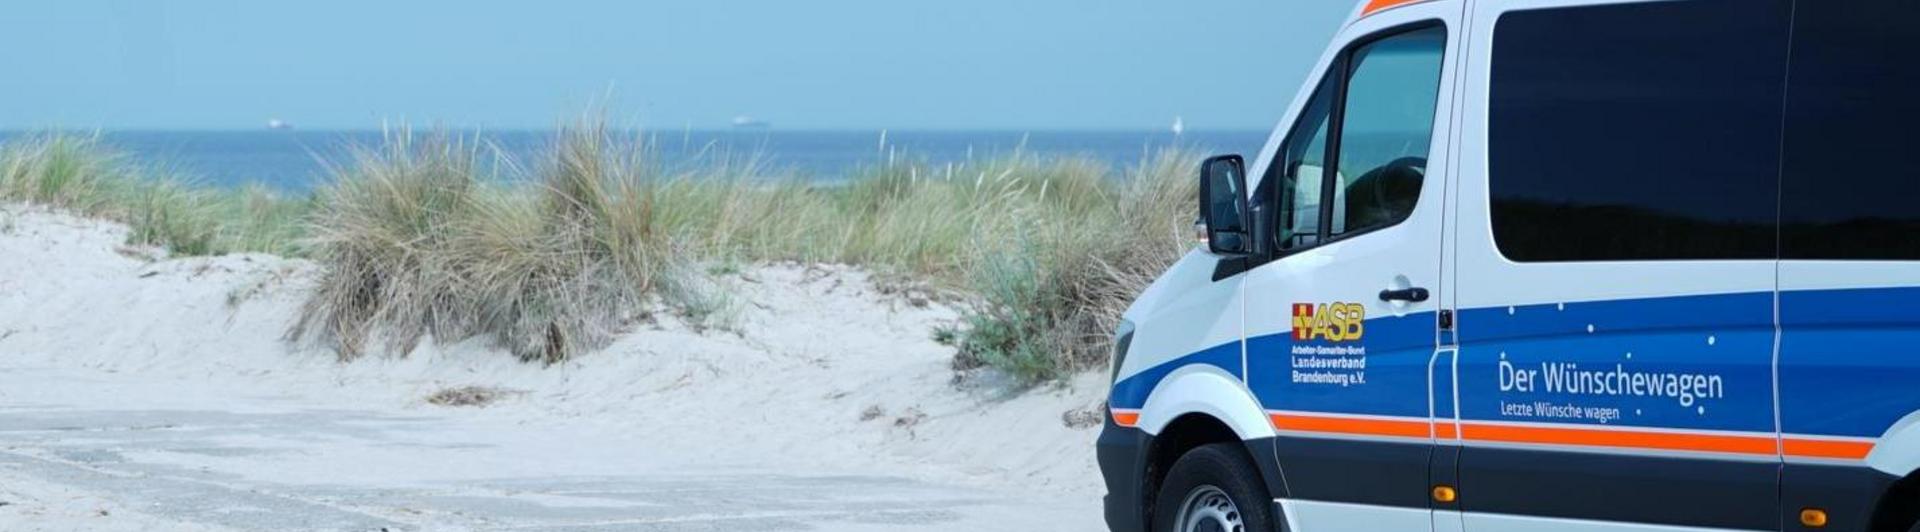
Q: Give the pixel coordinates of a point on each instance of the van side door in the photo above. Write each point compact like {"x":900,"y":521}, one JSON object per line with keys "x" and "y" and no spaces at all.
{"x":1341,"y":317}
{"x":1615,"y":264}
{"x":1850,"y":259}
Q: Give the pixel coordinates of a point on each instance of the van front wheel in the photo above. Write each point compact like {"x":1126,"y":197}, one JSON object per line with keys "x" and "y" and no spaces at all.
{"x":1213,"y":488}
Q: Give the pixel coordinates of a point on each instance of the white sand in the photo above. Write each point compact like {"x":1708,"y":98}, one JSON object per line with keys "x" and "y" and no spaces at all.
{"x":195,"y":345}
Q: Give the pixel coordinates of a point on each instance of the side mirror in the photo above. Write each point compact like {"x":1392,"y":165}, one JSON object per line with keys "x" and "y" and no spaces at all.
{"x":1223,"y":205}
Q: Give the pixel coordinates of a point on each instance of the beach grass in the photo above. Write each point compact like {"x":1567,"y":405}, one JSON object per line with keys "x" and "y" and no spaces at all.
{"x":421,"y":238}
{"x":80,"y":174}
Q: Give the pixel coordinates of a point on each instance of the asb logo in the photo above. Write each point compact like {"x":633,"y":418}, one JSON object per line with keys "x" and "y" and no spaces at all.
{"x":1333,"y":322}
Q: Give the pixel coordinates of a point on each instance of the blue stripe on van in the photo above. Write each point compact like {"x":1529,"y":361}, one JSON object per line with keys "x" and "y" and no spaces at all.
{"x":1745,"y":310}
{"x":1848,"y":360}
{"x":1131,"y":392}
{"x":1398,"y":349}
{"x":1632,"y":346}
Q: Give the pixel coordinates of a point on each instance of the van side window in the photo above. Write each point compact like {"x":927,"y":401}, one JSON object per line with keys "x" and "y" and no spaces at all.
{"x":1300,"y":170}
{"x":1386,"y":126}
{"x":1644,"y":131}
{"x":1850,"y":185}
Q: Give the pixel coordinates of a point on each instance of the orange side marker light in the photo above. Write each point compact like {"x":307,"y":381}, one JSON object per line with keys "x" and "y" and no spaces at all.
{"x":1813,"y":517}
{"x":1445,"y":493}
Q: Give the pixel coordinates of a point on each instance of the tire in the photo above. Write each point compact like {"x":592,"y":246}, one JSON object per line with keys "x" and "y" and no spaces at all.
{"x":1214,"y":487}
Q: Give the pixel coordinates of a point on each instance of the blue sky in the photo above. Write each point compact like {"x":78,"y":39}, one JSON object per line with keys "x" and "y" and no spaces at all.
{"x":831,"y":64}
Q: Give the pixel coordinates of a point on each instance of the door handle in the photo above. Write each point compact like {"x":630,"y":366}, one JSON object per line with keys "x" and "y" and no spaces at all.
{"x":1410,"y":295}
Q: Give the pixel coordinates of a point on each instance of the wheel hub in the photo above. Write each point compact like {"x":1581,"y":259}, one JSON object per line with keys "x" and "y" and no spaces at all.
{"x":1209,"y":509}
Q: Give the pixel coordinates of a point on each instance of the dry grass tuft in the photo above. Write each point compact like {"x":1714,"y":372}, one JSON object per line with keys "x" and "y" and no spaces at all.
{"x":418,"y":244}
{"x":382,"y":229}
{"x":475,"y":396}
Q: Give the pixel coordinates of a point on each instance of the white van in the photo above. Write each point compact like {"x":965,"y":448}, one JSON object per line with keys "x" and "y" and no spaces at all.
{"x":1560,"y":265}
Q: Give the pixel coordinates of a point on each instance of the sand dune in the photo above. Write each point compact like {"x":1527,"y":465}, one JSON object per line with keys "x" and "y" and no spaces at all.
{"x":826,"y":405}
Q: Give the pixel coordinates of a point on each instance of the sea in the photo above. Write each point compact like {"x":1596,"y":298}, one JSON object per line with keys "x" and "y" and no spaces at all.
{"x":298,"y":160}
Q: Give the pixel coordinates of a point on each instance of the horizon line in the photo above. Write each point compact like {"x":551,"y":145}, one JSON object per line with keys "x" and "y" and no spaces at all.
{"x":297,"y":129}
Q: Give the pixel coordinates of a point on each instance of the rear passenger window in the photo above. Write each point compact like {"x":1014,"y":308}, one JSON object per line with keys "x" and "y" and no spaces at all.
{"x":1851,"y":180}
{"x":1647,"y":131}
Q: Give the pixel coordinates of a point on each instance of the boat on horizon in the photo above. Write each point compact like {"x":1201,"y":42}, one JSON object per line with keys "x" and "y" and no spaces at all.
{"x":748,"y":122}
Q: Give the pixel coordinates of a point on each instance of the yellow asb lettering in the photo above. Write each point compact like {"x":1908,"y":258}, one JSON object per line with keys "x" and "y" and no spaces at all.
{"x":1333,"y":322}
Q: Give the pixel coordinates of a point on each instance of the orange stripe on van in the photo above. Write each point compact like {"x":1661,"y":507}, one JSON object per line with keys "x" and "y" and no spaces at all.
{"x":1374,"y":6}
{"x":1847,"y":450}
{"x":1670,"y":441}
{"x":1570,"y":436}
{"x":1348,"y":425}
{"x":1126,"y":419}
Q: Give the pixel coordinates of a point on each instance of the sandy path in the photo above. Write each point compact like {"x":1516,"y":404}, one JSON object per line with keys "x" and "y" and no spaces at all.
{"x":276,"y":462}
{"x":158,"y":395}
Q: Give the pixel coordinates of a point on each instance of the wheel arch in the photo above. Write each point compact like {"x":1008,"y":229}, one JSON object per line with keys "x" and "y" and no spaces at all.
{"x":1199,"y":405}
{"x":1899,"y":507}
{"x":1177,"y":437}
{"x":1898,"y":451}
{"x":1208,"y":390}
